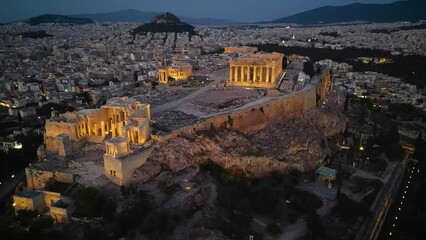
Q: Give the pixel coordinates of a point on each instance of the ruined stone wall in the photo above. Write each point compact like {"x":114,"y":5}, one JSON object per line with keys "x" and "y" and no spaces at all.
{"x":50,"y":198}
{"x":34,"y":203}
{"x":257,"y":117}
{"x":59,"y":215}
{"x":120,"y":170}
{"x":37,"y":179}
{"x":53,"y":129}
{"x":62,"y":145}
{"x":132,"y":162}
{"x":113,"y":169}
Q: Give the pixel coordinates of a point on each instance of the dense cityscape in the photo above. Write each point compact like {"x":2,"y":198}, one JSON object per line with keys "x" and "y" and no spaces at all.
{"x":167,"y":130}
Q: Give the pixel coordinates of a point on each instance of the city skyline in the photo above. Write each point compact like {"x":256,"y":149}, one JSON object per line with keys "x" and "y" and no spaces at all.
{"x":248,"y":10}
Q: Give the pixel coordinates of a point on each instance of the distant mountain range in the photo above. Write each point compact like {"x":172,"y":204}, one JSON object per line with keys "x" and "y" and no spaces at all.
{"x":53,"y":18}
{"x":133,"y":15}
{"x":413,"y":10}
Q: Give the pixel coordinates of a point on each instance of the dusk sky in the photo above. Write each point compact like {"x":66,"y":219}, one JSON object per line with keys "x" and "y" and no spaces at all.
{"x":239,"y":10}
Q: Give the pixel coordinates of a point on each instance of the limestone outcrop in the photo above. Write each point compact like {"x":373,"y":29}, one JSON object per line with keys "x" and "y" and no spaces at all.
{"x":286,"y":144}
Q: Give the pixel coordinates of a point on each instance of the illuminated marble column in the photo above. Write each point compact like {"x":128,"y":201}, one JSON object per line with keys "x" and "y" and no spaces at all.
{"x":95,"y":130}
{"x":246,"y":73}
{"x":254,"y":74}
{"x":267,"y":75}
{"x":262,"y":79}
{"x":89,"y":128}
{"x":235,"y":73}
{"x":239,"y":73}
{"x":103,"y":128}
{"x":77,"y":130}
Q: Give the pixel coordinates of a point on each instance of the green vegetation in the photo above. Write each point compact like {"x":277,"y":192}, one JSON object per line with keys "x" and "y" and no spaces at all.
{"x":273,"y":229}
{"x":315,"y":229}
{"x":25,"y":217}
{"x":230,"y":121}
{"x":165,"y":22}
{"x":379,"y":165}
{"x":15,"y":160}
{"x":239,"y":198}
{"x":350,"y":210}
{"x":86,"y":98}
{"x":168,"y":188}
{"x":91,"y":203}
{"x":154,"y":84}
{"x":46,"y":109}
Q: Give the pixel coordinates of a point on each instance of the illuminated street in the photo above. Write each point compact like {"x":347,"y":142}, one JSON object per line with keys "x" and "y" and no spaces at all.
{"x":396,"y":225}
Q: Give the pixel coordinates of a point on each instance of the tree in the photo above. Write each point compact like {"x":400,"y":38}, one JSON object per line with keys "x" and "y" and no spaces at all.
{"x":154,"y":85}
{"x":25,"y":217}
{"x":346,"y":102}
{"x":420,"y":145}
{"x":273,"y":229}
{"x":41,"y":224}
{"x":308,"y":68}
{"x":86,"y":97}
{"x":393,"y":135}
{"x":314,"y":225}
{"x":88,"y":202}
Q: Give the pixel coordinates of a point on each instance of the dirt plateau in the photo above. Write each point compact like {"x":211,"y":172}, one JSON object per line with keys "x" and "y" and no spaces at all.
{"x":292,"y":142}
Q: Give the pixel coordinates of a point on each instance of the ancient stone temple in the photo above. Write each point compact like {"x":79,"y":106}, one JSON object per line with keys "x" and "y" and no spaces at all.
{"x":256,"y":70}
{"x":119,"y":117}
{"x":176,"y":72}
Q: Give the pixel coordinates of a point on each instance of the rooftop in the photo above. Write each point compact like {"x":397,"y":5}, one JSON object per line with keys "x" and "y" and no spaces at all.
{"x":325,"y":171}
{"x":28,"y":194}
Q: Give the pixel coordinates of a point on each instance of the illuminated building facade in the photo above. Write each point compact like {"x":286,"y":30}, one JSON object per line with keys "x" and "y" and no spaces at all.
{"x":256,"y":70}
{"x":181,"y":72}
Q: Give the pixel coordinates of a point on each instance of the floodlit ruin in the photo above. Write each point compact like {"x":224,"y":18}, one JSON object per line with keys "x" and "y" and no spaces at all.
{"x":120,"y":117}
{"x":256,"y":70}
{"x":174,"y":73}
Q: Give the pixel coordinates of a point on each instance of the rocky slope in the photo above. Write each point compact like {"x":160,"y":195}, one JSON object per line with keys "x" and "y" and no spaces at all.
{"x":287,"y":144}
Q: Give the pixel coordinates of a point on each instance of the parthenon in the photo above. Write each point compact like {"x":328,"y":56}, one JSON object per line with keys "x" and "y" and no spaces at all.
{"x":256,"y":70}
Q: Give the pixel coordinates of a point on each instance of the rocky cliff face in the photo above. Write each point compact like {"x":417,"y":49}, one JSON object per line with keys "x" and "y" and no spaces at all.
{"x":297,"y":143}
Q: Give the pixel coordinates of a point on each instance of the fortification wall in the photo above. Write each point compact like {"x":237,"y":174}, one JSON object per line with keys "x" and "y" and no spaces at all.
{"x":257,"y":117}
{"x":53,"y":129}
{"x":113,"y":169}
{"x":50,"y":198}
{"x":120,"y":170}
{"x":62,"y":146}
{"x":37,"y":179}
{"x":59,"y":215}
